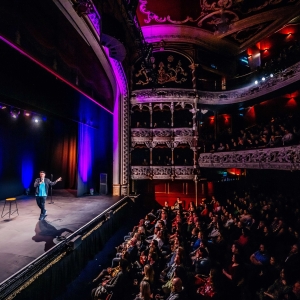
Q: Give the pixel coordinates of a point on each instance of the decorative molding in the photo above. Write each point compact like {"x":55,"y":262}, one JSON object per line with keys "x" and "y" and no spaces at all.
{"x":140,"y":172}
{"x":184,"y":172}
{"x":271,"y":84}
{"x":163,"y":95}
{"x":125,"y":146}
{"x":172,"y":137}
{"x":162,"y":172}
{"x":284,"y":158}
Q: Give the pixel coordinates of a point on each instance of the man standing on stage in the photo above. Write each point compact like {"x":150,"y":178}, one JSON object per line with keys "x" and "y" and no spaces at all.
{"x":41,"y":192}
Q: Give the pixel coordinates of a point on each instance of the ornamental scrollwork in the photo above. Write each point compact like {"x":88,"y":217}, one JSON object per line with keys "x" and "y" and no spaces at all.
{"x":284,"y":158}
{"x":182,"y":170}
{"x":183,"y":132}
{"x":169,"y":71}
{"x":279,"y":80}
{"x":140,"y":132}
{"x":159,"y":171}
{"x":162,"y":132}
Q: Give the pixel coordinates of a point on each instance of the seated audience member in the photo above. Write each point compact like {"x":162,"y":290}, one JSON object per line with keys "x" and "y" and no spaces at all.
{"x":201,"y":262}
{"x":287,"y":138}
{"x":292,"y":264}
{"x":268,"y":274}
{"x":294,"y":293}
{"x":209,"y":287}
{"x":260,"y":258}
{"x":236,"y":276}
{"x":277,"y":290}
{"x":145,"y":291}
{"x":177,"y":292}
{"x":114,"y":285}
{"x":221,"y":147}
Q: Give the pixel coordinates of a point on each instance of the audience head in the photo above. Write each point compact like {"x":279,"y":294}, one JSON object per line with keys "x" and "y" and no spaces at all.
{"x":176,"y":285}
{"x":145,"y":292}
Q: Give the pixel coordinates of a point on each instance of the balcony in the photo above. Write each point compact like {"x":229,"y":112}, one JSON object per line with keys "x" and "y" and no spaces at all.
{"x":161,"y":135}
{"x":284,"y":158}
{"x":162,"y":172}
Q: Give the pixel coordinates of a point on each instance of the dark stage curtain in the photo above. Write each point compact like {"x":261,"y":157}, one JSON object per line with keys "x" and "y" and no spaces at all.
{"x":64,"y":158}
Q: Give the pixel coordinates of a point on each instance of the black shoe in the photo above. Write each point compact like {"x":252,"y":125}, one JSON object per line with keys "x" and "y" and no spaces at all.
{"x":44,"y":215}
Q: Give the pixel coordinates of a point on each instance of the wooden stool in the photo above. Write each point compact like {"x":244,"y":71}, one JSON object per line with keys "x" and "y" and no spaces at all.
{"x":10,"y":200}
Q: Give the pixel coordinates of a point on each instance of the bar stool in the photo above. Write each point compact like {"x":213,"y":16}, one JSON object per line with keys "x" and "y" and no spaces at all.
{"x":10,"y":200}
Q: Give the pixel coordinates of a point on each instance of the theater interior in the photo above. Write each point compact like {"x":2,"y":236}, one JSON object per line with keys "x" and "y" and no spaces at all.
{"x":149,"y":107}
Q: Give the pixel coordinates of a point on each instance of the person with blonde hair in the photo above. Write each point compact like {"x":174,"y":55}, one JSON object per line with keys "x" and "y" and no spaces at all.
{"x":145,"y":291}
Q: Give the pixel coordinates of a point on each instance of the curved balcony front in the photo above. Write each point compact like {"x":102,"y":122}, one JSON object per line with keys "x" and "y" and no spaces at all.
{"x":270,"y":84}
{"x":284,"y":158}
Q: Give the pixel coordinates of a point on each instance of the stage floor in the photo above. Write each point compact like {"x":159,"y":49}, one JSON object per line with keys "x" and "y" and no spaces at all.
{"x":23,"y":238}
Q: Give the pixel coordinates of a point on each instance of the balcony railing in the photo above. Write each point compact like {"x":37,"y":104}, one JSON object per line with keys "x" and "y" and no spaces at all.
{"x":161,"y":135}
{"x":284,"y":158}
{"x":162,"y":172}
{"x":271,"y":84}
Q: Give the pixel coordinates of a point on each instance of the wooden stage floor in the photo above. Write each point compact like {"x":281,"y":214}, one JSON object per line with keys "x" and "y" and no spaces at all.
{"x":24,"y":238}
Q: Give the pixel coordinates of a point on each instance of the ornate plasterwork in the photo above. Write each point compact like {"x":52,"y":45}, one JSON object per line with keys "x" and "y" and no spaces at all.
{"x":271,"y":84}
{"x":172,"y":137}
{"x":285,"y":158}
{"x":208,"y":10}
{"x":168,"y":71}
{"x":211,"y":10}
{"x":162,"y":172}
{"x":163,"y":95}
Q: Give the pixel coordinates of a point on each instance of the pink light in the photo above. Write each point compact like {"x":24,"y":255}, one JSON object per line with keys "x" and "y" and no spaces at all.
{"x":51,"y":71}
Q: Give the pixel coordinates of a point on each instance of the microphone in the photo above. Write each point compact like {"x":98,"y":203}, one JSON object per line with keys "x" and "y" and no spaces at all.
{"x":51,"y":177}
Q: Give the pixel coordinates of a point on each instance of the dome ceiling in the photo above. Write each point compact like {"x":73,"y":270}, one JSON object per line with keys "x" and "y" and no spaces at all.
{"x":229,"y":26}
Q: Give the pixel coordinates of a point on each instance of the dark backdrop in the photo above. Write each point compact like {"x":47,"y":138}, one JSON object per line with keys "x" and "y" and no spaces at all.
{"x":53,"y":144}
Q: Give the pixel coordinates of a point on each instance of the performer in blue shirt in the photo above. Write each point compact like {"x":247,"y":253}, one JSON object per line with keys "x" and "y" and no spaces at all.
{"x":41,"y":185}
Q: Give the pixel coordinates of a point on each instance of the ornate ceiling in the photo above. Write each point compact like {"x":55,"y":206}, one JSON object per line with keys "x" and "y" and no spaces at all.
{"x":222,"y":26}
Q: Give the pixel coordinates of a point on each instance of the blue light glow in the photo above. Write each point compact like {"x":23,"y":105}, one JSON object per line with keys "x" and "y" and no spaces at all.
{"x":85,"y":146}
{"x":27,"y":170}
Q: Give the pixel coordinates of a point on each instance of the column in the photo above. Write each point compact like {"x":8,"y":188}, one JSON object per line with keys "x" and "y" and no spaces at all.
{"x":172,"y":114}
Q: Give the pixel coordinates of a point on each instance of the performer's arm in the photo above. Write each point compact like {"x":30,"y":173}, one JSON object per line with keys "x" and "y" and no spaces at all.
{"x":55,"y":182}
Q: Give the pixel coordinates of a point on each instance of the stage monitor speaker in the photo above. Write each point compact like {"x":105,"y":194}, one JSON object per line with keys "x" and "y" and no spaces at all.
{"x":103,"y":184}
{"x":74,"y":242}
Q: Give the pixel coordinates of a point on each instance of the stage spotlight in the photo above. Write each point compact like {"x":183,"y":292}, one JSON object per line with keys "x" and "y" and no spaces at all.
{"x":263,"y":79}
{"x":36,"y":119}
{"x":256,"y":82}
{"x":14,"y":113}
{"x":27,"y":113}
{"x":271,"y":75}
{"x":2,"y":106}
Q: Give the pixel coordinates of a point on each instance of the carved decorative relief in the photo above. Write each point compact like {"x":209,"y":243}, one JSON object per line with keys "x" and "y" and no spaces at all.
{"x":284,"y":158}
{"x":162,"y":172}
{"x":271,"y":84}
{"x":162,"y":132}
{"x":172,"y":137}
{"x":140,"y":172}
{"x":140,"y":132}
{"x":183,"y":132}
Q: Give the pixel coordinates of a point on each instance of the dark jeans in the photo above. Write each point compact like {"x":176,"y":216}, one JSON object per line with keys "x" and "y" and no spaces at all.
{"x":41,"y":203}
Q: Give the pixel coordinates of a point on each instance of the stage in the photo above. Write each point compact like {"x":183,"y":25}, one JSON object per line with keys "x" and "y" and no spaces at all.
{"x":24,"y":238}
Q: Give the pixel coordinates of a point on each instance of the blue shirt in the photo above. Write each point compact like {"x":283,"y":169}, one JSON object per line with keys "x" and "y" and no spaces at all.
{"x":262,"y":257}
{"x":42,"y":190}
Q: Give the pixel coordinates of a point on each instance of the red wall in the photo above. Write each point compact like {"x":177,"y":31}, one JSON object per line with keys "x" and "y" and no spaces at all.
{"x":186,"y":190}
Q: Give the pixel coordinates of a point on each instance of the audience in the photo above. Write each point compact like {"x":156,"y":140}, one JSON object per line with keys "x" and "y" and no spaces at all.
{"x":278,"y":132}
{"x":231,"y":248}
